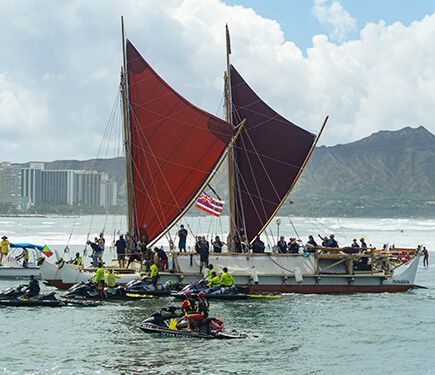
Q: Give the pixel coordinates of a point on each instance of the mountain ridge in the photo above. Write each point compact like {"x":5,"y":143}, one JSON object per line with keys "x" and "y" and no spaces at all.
{"x":387,"y":173}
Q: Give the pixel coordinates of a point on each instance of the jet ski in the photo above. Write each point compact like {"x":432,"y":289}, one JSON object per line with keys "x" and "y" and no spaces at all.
{"x":145,"y":286}
{"x":12,"y":293}
{"x":223,"y":293}
{"x":88,"y":291}
{"x":169,"y":322}
{"x":48,"y":300}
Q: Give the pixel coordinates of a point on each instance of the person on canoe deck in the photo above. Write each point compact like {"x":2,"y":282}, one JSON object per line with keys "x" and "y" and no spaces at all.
{"x":32,"y":289}
{"x":293,"y":246}
{"x":363,"y":243}
{"x":203,"y":254}
{"x":227,"y":279}
{"x":120,"y":246}
{"x":99,"y":279}
{"x":188,"y":307}
{"x":258,"y":246}
{"x":217,"y":245}
{"x":282,"y":245}
{"x":96,"y":252}
{"x":134,"y":255}
{"x":182,"y":235}
{"x":78,"y":260}
{"x":325,"y":240}
{"x":4,"y":248}
{"x":154,"y":274}
{"x":355,"y":243}
{"x":24,"y":256}
{"x":163,"y":258}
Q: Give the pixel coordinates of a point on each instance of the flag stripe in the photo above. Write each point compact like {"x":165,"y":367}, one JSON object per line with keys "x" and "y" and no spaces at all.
{"x":209,"y":204}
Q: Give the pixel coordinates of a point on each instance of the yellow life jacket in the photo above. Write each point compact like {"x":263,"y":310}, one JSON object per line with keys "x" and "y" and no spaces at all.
{"x":215,"y":281}
{"x":227,"y":279}
{"x":154,"y":271}
{"x":111,"y":279}
{"x":99,"y":275}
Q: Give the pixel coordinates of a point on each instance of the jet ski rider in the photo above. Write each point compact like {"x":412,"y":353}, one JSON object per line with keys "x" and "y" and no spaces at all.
{"x":189,"y":308}
{"x":227,"y":279}
{"x":99,"y":279}
{"x":214,"y":281}
{"x":32,"y":289}
{"x":154,"y":274}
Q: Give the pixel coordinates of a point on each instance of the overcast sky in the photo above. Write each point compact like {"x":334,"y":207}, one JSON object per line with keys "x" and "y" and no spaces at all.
{"x":369,"y":67}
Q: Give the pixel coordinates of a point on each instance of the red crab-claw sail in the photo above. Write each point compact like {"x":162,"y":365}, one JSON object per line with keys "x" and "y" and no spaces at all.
{"x":269,"y":155}
{"x":175,"y":146}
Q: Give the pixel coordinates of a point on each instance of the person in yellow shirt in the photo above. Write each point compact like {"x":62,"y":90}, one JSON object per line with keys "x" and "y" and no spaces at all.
{"x":78,"y":260}
{"x":227,"y":279}
{"x":111,"y":278}
{"x":99,"y":279}
{"x":154,"y":274}
{"x":4,"y":248}
{"x":24,"y":256}
{"x":213,"y":278}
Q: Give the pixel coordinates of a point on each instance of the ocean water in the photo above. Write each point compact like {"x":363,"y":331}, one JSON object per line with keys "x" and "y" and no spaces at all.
{"x":297,"y":334}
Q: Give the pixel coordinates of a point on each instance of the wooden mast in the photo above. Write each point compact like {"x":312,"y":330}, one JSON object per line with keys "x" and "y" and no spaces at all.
{"x":127,"y":138}
{"x":230,"y":157}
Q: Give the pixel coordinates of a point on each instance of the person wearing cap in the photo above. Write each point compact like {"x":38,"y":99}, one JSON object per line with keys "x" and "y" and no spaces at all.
{"x":363,"y":243}
{"x":227,"y":279}
{"x":4,"y":248}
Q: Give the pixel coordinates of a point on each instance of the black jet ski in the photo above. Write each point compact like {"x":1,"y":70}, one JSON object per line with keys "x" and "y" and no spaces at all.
{"x":145,"y":286}
{"x":224,"y":293}
{"x":48,"y":300}
{"x":169,"y":322}
{"x":12,"y":293}
{"x":88,"y":291}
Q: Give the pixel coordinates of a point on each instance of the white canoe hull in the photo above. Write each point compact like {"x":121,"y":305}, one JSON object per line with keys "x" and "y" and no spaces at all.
{"x":273,"y":273}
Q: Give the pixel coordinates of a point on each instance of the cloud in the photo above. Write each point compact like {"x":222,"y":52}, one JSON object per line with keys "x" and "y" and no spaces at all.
{"x":59,"y":77}
{"x":332,"y":14}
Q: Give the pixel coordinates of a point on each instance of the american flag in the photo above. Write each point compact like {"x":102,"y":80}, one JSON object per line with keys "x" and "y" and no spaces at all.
{"x":210,"y":205}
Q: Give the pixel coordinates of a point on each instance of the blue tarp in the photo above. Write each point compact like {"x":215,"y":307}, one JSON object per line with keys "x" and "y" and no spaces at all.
{"x":26,"y":245}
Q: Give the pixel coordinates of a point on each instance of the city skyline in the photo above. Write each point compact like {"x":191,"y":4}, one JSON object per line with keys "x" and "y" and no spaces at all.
{"x":34,"y":186}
